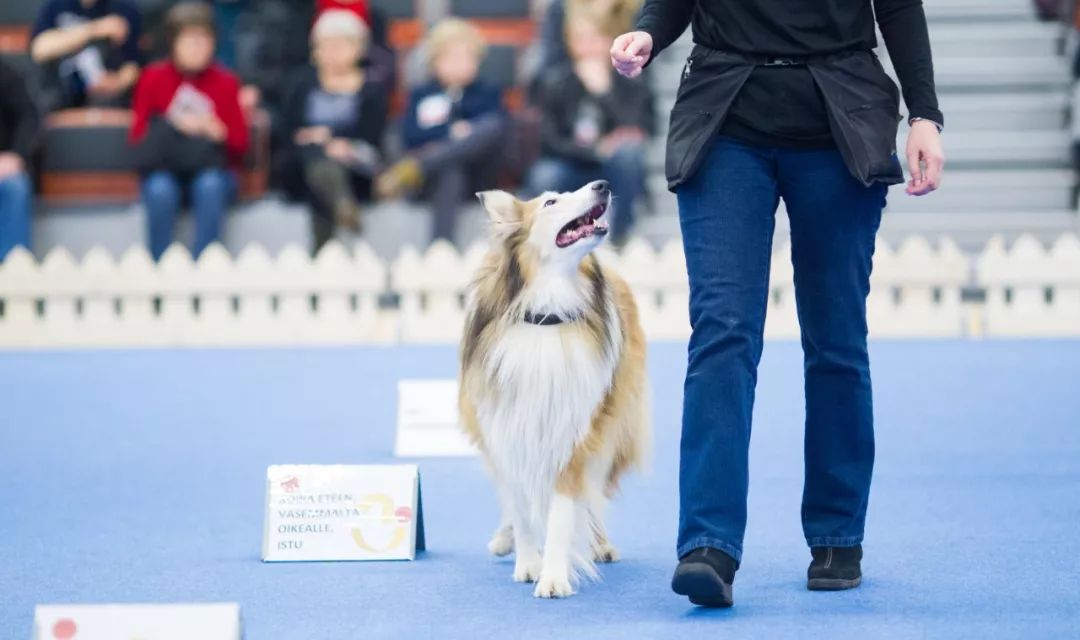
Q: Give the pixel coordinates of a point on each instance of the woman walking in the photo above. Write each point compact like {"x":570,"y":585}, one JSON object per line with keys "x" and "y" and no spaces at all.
{"x":783,"y":99}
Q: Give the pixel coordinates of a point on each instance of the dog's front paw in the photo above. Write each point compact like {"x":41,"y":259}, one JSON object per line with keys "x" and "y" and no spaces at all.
{"x":553,"y":586}
{"x":605,"y":553}
{"x":527,"y":570}
{"x":502,"y":542}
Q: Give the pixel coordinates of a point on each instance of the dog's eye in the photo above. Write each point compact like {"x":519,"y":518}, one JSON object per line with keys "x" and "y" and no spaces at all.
{"x":549,"y":202}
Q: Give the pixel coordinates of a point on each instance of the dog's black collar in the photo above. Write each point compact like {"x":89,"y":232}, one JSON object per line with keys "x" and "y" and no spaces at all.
{"x":546,"y":319}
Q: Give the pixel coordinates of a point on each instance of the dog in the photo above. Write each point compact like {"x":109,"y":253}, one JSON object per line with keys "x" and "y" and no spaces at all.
{"x":552,"y":382}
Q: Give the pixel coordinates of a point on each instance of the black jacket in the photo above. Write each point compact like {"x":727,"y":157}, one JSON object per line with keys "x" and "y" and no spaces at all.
{"x":368,"y":126}
{"x":863,"y":105}
{"x":20,"y":125}
{"x":628,"y":104}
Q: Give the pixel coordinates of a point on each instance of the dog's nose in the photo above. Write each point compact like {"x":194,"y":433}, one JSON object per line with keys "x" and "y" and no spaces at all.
{"x":601,"y":186}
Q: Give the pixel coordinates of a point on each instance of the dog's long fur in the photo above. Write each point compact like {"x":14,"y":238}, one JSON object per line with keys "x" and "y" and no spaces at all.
{"x":559,"y":412}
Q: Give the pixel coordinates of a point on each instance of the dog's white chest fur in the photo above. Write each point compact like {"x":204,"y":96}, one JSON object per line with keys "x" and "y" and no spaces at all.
{"x":549,"y":382}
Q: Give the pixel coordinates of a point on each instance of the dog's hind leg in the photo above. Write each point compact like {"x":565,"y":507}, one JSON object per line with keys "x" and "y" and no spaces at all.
{"x":602,"y":549}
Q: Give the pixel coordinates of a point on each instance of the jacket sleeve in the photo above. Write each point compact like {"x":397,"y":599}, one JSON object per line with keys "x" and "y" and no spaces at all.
{"x":373,"y":114}
{"x":141,"y":106}
{"x":903,"y":25}
{"x":26,"y":122}
{"x":665,"y":21}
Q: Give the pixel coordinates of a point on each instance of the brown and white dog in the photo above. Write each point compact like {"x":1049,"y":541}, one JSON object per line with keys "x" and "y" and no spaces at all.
{"x":553,"y":388}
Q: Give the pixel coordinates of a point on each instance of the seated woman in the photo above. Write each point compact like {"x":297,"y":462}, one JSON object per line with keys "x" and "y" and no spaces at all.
{"x":334,"y":121}
{"x":190,"y":131}
{"x":595,"y":123}
{"x":453,"y":127}
{"x":19,"y":137}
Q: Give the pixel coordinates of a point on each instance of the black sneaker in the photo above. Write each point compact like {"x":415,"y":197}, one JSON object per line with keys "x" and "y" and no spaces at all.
{"x":834,"y":568}
{"x":705,"y":576}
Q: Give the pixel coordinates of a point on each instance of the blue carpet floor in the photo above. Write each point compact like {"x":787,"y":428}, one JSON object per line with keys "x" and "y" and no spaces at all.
{"x":138,"y":476}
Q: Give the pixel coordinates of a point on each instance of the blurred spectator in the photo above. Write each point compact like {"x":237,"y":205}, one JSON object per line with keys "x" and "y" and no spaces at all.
{"x":618,"y":17}
{"x":452,"y":129}
{"x":190,"y":131}
{"x":19,"y":130}
{"x":594,"y":123}
{"x":90,"y":50}
{"x":335,"y":119}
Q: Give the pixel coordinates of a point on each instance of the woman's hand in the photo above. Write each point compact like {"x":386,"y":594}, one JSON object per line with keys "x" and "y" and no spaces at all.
{"x":312,"y":135}
{"x":926,"y":160}
{"x":339,"y":149}
{"x":630,"y":52}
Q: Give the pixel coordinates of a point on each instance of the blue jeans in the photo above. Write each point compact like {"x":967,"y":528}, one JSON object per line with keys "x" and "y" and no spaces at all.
{"x":16,"y":202}
{"x":728,"y":212}
{"x":209,"y":193}
{"x":625,"y":170}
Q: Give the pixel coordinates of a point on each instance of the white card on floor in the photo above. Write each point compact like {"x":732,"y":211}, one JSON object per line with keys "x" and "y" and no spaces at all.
{"x":142,"y":621}
{"x":427,"y":420}
{"x":342,"y":512}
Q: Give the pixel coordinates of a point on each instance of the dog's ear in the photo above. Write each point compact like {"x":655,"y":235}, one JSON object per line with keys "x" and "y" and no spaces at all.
{"x":503,"y":208}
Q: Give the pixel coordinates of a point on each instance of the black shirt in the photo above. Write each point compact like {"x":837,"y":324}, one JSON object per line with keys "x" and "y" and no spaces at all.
{"x":782,"y":105}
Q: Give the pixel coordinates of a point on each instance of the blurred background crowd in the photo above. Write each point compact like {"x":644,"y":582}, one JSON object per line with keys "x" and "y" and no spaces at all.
{"x":194,"y":106}
{"x":379,"y":119}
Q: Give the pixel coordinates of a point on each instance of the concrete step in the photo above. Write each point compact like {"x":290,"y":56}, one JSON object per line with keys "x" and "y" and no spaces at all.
{"x":1028,"y":38}
{"x":978,"y":10}
{"x":996,"y":73}
{"x":989,"y":191}
{"x":1001,"y":149}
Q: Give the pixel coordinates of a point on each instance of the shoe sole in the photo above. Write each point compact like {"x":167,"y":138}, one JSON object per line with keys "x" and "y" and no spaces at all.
{"x":702,"y":585}
{"x":832,"y":584}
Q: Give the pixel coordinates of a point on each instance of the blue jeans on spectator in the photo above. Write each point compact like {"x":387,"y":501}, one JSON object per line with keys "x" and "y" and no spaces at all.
{"x":625,"y":170}
{"x":209,"y":192}
{"x":16,"y":204}
{"x":727,"y":212}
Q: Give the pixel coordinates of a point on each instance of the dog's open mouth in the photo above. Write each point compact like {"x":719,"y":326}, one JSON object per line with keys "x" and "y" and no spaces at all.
{"x":586,"y":226}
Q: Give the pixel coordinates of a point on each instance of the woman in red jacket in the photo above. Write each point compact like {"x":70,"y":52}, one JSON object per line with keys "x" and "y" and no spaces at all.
{"x":190,"y":131}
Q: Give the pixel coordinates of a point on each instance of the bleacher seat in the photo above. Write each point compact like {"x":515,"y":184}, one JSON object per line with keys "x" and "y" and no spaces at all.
{"x":498,"y":9}
{"x":19,"y":12}
{"x":406,"y":26}
{"x":86,"y":158}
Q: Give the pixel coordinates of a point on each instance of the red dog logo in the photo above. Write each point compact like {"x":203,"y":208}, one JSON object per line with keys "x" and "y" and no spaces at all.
{"x":291,"y":484}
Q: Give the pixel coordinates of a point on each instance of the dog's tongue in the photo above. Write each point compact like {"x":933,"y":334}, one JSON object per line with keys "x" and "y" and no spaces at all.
{"x":569,"y":237}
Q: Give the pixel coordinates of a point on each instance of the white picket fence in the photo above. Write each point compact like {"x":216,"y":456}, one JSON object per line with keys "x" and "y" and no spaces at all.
{"x":290,"y":299}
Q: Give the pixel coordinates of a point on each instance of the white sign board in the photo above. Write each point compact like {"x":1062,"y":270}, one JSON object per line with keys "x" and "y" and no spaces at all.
{"x":427,"y":422}
{"x":141,"y":621}
{"x":342,"y":512}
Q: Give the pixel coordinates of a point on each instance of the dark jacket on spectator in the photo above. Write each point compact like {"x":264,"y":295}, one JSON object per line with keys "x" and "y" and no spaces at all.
{"x":368,"y":125}
{"x":19,"y":120}
{"x":628,"y":104}
{"x":478,"y":99}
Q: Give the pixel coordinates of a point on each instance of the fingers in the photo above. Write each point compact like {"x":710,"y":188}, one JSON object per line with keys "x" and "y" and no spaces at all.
{"x":627,"y":54}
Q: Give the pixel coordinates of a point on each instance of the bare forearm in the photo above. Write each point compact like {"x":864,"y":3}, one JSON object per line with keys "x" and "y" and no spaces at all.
{"x":57,"y":43}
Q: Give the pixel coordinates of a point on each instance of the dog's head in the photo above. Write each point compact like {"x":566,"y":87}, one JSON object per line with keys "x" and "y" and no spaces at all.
{"x":561,"y":227}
